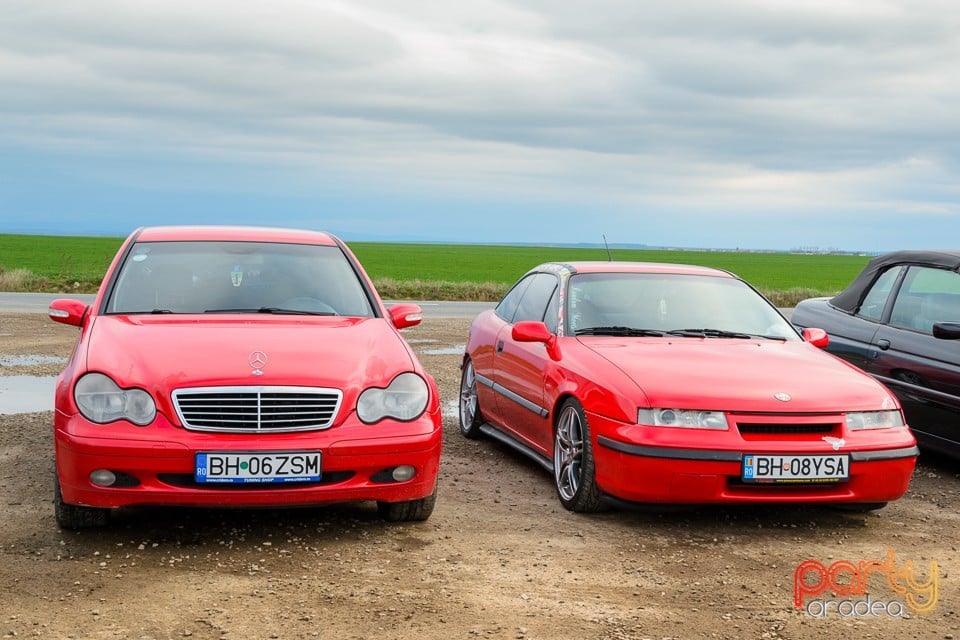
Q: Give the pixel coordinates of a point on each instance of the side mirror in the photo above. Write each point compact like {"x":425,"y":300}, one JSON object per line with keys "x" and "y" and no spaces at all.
{"x":68,"y":311}
{"x":946,"y":330}
{"x":405,"y":314}
{"x":532,"y":331}
{"x":816,"y":337}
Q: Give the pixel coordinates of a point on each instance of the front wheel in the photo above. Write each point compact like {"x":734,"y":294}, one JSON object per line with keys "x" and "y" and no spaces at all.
{"x":71,"y":516}
{"x":573,"y":463}
{"x":470,"y":418}
{"x":409,"y":511}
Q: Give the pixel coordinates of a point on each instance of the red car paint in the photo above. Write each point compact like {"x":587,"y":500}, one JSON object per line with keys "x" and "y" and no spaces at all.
{"x":167,"y":351}
{"x":780,"y":395}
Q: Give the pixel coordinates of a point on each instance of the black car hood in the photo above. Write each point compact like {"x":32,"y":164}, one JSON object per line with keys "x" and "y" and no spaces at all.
{"x":850,"y":298}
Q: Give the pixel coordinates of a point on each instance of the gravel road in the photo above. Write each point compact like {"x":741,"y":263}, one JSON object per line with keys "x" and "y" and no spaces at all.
{"x":499,"y":558}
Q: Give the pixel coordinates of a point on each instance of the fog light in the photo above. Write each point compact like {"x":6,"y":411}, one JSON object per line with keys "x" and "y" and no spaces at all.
{"x":403,"y":472}
{"x":103,"y":477}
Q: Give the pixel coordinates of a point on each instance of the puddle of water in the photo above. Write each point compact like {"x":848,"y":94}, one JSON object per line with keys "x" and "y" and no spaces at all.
{"x":451,"y":408}
{"x":421,"y":340}
{"x":26,"y":394}
{"x":29,"y":360}
{"x":446,"y":351}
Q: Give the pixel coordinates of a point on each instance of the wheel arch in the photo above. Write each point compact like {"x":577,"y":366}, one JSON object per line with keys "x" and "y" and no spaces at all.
{"x":555,"y":408}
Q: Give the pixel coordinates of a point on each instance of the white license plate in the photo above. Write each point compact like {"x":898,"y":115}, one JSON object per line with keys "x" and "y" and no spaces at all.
{"x":265,"y":467}
{"x":777,"y":468}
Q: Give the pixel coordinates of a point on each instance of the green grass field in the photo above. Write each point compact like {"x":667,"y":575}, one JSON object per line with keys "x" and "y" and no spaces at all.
{"x":432,"y":271}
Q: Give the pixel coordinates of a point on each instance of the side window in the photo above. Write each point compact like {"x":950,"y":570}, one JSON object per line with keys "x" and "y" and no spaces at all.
{"x":533,"y":304}
{"x":551,"y":317}
{"x":508,"y":305}
{"x":876,"y":299}
{"x":927,"y":296}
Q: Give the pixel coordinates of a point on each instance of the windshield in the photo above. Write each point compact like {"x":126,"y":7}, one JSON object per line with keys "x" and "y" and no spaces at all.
{"x":681,"y":305}
{"x":237,"y":277}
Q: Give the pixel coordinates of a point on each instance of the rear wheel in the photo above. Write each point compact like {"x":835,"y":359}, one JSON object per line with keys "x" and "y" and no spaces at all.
{"x":71,"y":516}
{"x":470,"y":417}
{"x":573,"y":463}
{"x":409,"y":511}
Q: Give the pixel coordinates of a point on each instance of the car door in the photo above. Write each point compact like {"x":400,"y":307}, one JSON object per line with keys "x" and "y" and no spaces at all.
{"x":923,"y":370}
{"x":488,"y":344}
{"x":520,"y":369}
{"x":852,"y":337}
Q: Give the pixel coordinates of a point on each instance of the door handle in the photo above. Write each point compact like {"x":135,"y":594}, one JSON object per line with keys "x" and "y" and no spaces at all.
{"x":499,"y":346}
{"x":883,"y":344}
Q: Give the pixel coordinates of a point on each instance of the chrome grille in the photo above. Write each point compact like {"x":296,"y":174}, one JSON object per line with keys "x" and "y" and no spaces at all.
{"x":257,"y":409}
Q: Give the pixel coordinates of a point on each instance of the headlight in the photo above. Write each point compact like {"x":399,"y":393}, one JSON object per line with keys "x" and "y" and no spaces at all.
{"x":404,"y":399}
{"x":100,"y":400}
{"x":859,"y":420}
{"x":683,"y":418}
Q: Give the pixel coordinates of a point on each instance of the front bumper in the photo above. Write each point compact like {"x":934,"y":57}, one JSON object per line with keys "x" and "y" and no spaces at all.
{"x":156,"y":463}
{"x":680,"y":469}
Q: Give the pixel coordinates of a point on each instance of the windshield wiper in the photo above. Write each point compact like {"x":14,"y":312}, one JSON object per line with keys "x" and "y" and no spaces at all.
{"x":720,"y":333}
{"x":161,"y":311}
{"x":296,"y":312}
{"x":617,"y":331}
{"x":277,"y":310}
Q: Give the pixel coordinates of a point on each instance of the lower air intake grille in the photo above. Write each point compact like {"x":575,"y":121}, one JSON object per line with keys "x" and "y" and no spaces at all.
{"x":772,"y":428}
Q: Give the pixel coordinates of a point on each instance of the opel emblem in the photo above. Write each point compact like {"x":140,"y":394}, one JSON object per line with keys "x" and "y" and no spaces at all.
{"x":257,"y":361}
{"x":782,"y":397}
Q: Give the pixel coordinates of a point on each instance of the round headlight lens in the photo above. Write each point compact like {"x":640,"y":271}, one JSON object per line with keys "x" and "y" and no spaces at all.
{"x":404,"y":399}
{"x":101,"y":400}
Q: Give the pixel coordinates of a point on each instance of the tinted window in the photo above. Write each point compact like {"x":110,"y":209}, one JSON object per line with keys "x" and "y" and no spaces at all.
{"x":927,"y":296}
{"x":533,"y":304}
{"x":550,"y":318}
{"x":508,"y":306}
{"x":876,"y":299}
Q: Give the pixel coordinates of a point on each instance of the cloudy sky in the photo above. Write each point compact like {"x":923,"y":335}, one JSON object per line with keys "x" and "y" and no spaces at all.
{"x":693,"y":123}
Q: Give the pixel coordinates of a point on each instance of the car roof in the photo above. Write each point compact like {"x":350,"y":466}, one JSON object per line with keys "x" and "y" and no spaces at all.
{"x":849,"y":299}
{"x":233,"y":233}
{"x":598,"y":266}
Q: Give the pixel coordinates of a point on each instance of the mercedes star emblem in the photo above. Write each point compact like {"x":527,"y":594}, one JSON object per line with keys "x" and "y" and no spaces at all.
{"x":257,"y":361}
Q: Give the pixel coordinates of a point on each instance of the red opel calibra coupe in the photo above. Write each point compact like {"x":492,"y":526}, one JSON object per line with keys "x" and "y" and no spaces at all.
{"x":659,"y":383}
{"x":241,"y":366}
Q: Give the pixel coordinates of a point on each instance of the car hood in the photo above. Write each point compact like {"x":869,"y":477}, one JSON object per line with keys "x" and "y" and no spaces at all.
{"x":741,"y":375}
{"x":163,"y":353}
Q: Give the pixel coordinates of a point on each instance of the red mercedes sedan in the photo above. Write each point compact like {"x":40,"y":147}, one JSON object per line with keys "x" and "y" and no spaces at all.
{"x":241,"y":367}
{"x":658,"y":383}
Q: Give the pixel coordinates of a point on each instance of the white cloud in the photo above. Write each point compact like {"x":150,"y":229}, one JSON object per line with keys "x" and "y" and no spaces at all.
{"x":740,"y":107}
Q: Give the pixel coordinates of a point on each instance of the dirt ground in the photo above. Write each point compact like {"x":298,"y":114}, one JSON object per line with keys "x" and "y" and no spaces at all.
{"x":499,"y":558}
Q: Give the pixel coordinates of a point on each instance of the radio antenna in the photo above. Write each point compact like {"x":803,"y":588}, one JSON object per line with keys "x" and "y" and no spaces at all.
{"x":609,"y":257}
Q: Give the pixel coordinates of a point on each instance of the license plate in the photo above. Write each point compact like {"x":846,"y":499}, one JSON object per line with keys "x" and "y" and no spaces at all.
{"x":782,"y":469}
{"x":258,"y":467}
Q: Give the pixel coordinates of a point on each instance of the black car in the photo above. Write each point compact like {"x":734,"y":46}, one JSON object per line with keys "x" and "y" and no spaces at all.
{"x":900,"y":321}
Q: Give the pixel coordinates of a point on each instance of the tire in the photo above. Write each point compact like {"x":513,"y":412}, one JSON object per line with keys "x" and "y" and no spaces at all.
{"x":73,"y":517}
{"x":409,"y":511}
{"x":573,"y":463}
{"x":470,"y":416}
